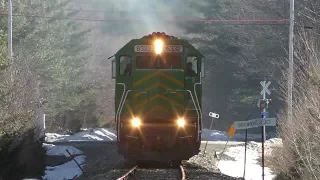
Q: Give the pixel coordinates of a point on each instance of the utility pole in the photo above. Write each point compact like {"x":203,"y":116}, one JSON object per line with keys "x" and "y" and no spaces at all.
{"x":10,"y":29}
{"x":10,"y":36}
{"x":290,"y":73}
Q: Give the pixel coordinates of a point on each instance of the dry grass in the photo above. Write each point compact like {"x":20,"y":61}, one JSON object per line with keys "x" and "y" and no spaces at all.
{"x":269,"y":159}
{"x":300,"y":156}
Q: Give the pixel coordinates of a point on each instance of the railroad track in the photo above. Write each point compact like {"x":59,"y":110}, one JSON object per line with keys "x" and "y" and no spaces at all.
{"x":131,"y":173}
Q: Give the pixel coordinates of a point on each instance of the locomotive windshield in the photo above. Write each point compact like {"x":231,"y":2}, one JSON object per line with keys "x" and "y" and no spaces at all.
{"x":167,"y":61}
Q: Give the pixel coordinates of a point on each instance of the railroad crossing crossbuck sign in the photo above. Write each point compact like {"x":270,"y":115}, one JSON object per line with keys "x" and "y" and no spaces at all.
{"x":265,"y":87}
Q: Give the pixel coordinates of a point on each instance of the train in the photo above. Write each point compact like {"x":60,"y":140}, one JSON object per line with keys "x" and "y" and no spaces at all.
{"x":158,"y":98}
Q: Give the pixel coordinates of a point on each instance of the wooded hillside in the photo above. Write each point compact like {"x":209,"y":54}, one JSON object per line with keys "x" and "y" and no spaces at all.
{"x":60,"y":68}
{"x":65,"y":47}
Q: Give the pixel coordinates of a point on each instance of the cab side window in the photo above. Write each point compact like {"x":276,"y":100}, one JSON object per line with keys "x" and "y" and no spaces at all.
{"x":125,"y":66}
{"x":191,"y":66}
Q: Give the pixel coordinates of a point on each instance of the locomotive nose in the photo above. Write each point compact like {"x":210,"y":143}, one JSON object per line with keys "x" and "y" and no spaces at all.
{"x":157,"y":102}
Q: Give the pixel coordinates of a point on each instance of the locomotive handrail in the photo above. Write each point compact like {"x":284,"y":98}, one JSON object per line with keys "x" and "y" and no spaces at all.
{"x":124,"y":90}
{"x":124,"y":100}
{"x":168,"y":91}
{"x":195,"y":92}
{"x":194,"y":106}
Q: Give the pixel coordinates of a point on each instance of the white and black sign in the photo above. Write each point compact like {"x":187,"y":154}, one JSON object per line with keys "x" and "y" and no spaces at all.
{"x":143,"y":48}
{"x":265,"y":87}
{"x":214,"y":115}
{"x":173,"y":48}
{"x":255,"y":123}
{"x":166,"y":48}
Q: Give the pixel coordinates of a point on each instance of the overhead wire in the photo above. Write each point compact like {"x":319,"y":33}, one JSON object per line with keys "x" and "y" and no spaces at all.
{"x":282,"y":21}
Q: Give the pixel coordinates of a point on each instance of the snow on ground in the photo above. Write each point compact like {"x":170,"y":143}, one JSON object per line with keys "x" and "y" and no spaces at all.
{"x":107,"y":134}
{"x":97,"y":134}
{"x":215,"y":135}
{"x":253,"y":167}
{"x":232,"y":166}
{"x":53,"y":150}
{"x":67,"y":170}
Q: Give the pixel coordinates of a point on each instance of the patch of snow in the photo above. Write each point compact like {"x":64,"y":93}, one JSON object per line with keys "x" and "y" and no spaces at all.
{"x":269,"y":145}
{"x":68,"y":170}
{"x":61,"y":150}
{"x":103,"y":134}
{"x":205,"y":160}
{"x":51,"y":137}
{"x":97,"y":134}
{"x":223,"y":142}
{"x":215,"y":135}
{"x":274,"y":142}
{"x":253,"y":168}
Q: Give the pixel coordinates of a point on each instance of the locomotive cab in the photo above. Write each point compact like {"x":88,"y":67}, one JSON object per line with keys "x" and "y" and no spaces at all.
{"x":158,"y":104}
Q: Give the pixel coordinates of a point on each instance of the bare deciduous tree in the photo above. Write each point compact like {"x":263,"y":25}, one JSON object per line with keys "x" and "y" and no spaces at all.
{"x":300,"y":157}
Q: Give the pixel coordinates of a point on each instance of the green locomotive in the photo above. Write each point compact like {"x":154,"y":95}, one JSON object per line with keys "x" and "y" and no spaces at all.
{"x":158,"y":98}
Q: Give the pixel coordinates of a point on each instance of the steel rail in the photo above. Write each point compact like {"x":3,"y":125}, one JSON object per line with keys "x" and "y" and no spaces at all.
{"x":134,"y":169}
{"x":183,"y":173}
{"x":128,"y":174}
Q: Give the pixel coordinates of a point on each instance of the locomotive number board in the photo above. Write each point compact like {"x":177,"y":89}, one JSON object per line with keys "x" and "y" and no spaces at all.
{"x":166,"y":48}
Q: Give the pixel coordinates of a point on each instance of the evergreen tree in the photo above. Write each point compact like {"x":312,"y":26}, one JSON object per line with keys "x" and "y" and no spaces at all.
{"x":56,"y":52}
{"x":4,"y":61}
{"x":238,"y":55}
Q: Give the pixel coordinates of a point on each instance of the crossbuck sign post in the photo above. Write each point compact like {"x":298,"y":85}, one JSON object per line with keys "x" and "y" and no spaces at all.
{"x":264,"y":103}
{"x":264,"y":106}
{"x":260,"y":122}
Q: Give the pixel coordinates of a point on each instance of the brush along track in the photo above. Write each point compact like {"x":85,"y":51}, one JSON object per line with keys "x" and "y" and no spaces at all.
{"x":144,"y":173}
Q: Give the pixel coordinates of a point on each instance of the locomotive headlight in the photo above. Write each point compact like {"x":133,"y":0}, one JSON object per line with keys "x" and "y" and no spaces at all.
{"x":181,"y":122}
{"x":158,"y":46}
{"x":136,"y":122}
